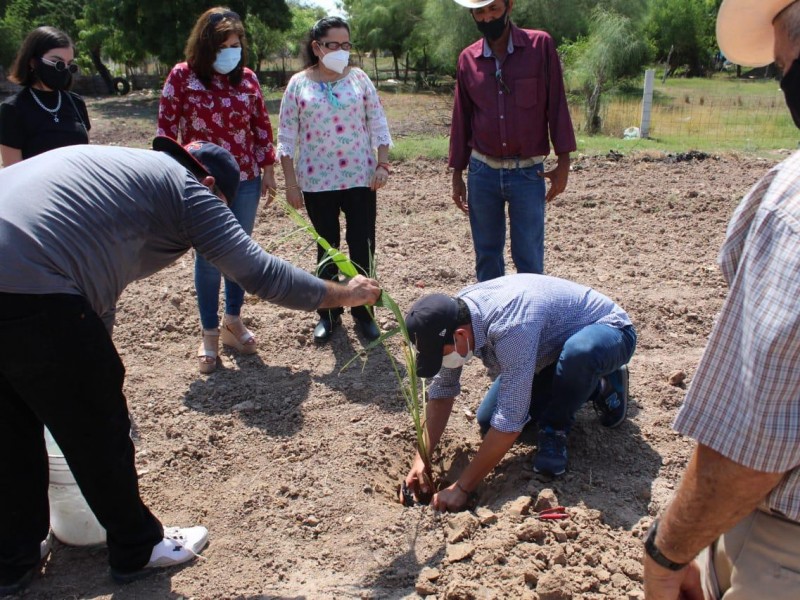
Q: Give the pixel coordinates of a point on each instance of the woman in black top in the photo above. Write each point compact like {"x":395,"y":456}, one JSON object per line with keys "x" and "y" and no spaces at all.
{"x":44,"y":115}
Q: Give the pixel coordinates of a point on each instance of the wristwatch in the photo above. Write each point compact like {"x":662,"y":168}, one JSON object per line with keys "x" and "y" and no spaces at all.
{"x":654,"y":553}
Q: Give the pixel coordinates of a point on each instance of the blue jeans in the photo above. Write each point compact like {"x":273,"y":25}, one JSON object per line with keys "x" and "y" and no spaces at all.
{"x":488,"y":191}
{"x":562,"y":388}
{"x":206,"y":275}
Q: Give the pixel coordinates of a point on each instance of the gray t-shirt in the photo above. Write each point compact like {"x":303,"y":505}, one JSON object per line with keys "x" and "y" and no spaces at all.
{"x":89,"y":220}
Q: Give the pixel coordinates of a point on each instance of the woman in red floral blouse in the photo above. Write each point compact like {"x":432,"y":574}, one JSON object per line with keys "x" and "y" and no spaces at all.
{"x":214,"y":97}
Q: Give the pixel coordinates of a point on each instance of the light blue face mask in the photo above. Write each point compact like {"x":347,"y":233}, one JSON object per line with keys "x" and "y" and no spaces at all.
{"x":227,"y":59}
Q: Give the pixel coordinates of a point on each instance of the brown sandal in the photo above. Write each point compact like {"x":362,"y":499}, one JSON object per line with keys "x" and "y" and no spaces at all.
{"x":244,"y":341}
{"x":207,"y":353}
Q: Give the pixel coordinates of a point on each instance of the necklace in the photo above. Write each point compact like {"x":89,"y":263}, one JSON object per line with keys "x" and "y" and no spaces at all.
{"x":52,"y":111}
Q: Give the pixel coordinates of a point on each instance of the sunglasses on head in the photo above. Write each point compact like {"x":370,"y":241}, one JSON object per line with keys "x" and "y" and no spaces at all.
{"x":215,"y":18}
{"x":60,"y":65}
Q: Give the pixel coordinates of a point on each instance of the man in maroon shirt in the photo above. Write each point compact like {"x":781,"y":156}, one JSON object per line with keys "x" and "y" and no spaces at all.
{"x":509,"y":106}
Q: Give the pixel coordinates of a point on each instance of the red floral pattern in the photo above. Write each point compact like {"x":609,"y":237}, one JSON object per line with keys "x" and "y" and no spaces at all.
{"x":235,"y":118}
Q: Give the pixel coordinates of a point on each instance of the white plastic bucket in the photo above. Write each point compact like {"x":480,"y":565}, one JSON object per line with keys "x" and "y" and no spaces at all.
{"x":71,"y":519}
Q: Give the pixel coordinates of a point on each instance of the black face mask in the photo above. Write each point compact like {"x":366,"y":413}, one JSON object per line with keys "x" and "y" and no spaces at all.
{"x":52,"y":78}
{"x":492,"y":30}
{"x":790,"y":84}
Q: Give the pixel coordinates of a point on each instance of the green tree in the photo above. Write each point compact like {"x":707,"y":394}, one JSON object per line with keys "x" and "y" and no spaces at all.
{"x":158,"y":28}
{"x":680,"y":32}
{"x":611,"y":51}
{"x":291,"y":41}
{"x":385,"y":25}
{"x":19,"y":17}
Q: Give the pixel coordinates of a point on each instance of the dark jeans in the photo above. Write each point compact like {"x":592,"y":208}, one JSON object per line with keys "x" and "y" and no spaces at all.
{"x":562,"y":388}
{"x":359,"y":206}
{"x":59,"y":368}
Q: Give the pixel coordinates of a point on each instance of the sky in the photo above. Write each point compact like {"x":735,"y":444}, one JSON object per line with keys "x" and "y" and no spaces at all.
{"x":328,"y":5}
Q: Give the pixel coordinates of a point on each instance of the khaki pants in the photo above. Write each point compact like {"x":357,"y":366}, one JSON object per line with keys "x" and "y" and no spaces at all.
{"x":758,"y":558}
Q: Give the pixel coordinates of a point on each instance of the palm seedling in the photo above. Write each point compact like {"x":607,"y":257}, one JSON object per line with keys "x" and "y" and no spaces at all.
{"x":411,"y":387}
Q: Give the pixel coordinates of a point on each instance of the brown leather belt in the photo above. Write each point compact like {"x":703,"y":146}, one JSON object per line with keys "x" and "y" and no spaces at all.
{"x":507,"y":163}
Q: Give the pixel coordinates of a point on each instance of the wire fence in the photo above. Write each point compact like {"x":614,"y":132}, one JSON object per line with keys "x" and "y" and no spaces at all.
{"x":702,"y":120}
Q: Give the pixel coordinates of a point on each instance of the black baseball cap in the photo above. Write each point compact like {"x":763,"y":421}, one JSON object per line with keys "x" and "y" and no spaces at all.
{"x":204,"y":159}
{"x":431,"y":323}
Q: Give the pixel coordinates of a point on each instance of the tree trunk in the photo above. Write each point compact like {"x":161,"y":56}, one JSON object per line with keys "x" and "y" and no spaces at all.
{"x":375,"y":58}
{"x":405,"y":74}
{"x":94,"y":53}
{"x":668,"y":68}
{"x":594,"y":124}
{"x":396,"y":66}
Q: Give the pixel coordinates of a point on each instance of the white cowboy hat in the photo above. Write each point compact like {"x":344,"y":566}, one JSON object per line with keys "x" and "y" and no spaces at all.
{"x":474,"y":3}
{"x":744,"y":30}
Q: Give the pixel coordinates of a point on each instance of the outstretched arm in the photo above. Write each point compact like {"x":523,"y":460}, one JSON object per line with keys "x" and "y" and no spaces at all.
{"x":359,"y":290}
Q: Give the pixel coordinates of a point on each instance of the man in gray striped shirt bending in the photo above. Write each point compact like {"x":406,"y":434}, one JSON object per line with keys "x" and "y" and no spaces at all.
{"x":551,"y":346}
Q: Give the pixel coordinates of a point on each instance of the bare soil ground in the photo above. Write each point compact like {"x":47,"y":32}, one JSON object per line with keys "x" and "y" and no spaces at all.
{"x":293,"y":464}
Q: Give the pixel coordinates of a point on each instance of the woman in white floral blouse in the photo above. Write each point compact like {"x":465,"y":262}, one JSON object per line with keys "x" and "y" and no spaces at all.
{"x":331,"y":119}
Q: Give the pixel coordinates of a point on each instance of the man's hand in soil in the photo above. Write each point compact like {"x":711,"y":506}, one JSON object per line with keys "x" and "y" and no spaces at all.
{"x":663,"y":584}
{"x":557,"y":176}
{"x":460,"y":191}
{"x":452,"y":499}
{"x":416,"y":480}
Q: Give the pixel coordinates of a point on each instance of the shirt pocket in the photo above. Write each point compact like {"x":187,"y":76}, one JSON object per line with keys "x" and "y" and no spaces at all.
{"x":526,"y":92}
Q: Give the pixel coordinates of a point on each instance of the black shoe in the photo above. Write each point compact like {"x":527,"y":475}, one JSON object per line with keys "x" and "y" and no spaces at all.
{"x":611,"y":404}
{"x":551,"y":455}
{"x":325,"y":327}
{"x":368,"y":329}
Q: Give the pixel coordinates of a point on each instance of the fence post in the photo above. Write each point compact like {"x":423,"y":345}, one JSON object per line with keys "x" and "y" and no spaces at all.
{"x":647,"y":102}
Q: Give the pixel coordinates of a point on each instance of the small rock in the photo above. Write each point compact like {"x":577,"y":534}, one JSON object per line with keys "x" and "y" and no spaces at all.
{"x":636,"y":595}
{"x":311,"y":521}
{"x":244,"y":406}
{"x":425,"y":588}
{"x":429,"y":574}
{"x":486,"y":516}
{"x":534,"y":531}
{"x":520,"y":506}
{"x":459,"y":552}
{"x":561,"y":536}
{"x":546,"y":499}
{"x":461,"y":526}
{"x":469,"y":414}
{"x":677,"y":377}
{"x":367,"y":489}
{"x":420,"y":284}
{"x":532,"y":578}
{"x":618,"y":580}
{"x":558,"y":556}
{"x":555,"y":585}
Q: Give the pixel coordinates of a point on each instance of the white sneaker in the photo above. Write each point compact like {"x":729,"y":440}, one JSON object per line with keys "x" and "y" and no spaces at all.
{"x":180,"y":545}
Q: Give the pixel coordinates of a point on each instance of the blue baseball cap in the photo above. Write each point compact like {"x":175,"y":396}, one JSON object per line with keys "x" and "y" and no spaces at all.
{"x":204,"y":159}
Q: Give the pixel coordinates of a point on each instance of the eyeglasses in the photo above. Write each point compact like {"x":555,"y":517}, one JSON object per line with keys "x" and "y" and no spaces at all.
{"x":215,"y":18}
{"x":60,"y":65}
{"x":346,"y":46}
{"x":499,"y":76}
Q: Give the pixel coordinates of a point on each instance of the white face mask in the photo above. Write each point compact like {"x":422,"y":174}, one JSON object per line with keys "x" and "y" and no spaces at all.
{"x":227,"y":59}
{"x":336,"y":60}
{"x":455,"y":361}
